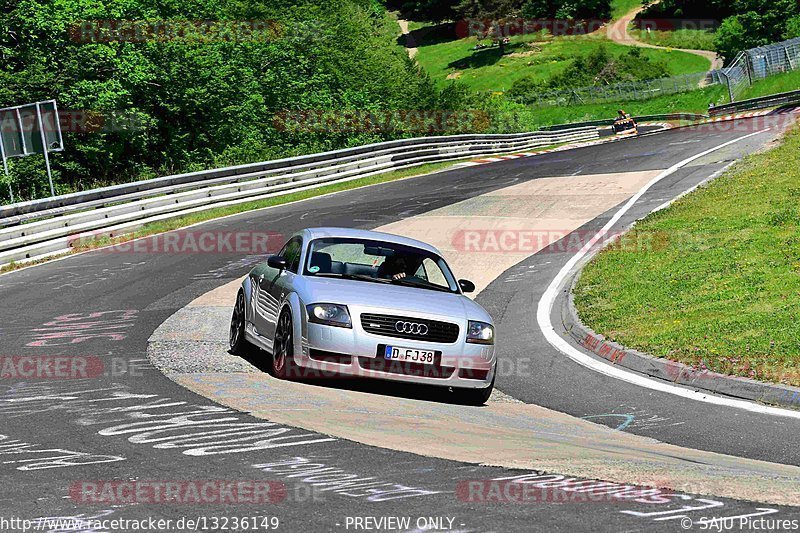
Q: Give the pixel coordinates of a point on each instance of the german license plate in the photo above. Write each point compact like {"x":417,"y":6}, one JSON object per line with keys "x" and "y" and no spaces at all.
{"x":411,"y":355}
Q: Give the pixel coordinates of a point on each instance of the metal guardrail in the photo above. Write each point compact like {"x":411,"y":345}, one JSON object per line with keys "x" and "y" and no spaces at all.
{"x":44,"y":227}
{"x":671,"y":116}
{"x":104,"y":193}
{"x":610,"y":121}
{"x":764,"y":102}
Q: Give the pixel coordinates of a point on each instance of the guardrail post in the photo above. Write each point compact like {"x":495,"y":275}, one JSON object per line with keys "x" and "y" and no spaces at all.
{"x":5,"y":169}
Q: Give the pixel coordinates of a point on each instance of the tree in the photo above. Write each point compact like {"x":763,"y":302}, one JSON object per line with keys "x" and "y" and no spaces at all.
{"x":792,"y":28}
{"x":195,"y":104}
{"x":740,"y":32}
{"x":431,"y":10}
{"x":496,"y":15}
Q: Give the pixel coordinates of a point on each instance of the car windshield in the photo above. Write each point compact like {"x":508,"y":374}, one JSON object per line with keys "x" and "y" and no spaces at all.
{"x":378,"y":262}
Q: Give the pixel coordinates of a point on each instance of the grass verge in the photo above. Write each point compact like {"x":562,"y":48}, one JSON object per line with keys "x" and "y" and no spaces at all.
{"x":688,"y":102}
{"x":721,"y":289}
{"x":202,"y":216}
{"x":779,"y":83}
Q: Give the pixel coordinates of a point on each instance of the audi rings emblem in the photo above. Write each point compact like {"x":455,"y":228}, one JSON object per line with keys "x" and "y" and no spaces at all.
{"x":411,"y":327}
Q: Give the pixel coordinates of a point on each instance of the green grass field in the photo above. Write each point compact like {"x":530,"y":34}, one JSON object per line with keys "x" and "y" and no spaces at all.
{"x":723,"y":290}
{"x":687,"y":39}
{"x":486,"y":70}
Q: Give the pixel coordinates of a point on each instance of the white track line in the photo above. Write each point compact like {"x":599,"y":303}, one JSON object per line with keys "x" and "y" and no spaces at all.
{"x":548,"y":300}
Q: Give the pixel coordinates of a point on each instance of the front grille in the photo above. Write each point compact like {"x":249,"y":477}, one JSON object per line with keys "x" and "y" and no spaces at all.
{"x":443,"y":332}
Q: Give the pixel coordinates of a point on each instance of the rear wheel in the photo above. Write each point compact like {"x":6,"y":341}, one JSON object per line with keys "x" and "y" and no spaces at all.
{"x":236,"y":339}
{"x":283,"y":366}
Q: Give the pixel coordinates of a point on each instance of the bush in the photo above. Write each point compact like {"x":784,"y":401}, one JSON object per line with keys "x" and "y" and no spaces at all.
{"x":792,"y":28}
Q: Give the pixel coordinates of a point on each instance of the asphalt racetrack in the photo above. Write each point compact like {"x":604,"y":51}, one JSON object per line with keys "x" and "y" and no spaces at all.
{"x":130,"y":422}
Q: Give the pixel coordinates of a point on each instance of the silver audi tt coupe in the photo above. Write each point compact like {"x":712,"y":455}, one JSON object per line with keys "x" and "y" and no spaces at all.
{"x":344,"y":302}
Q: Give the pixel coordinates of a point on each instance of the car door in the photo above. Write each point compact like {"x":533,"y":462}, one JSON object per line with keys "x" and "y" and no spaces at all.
{"x":273,"y":285}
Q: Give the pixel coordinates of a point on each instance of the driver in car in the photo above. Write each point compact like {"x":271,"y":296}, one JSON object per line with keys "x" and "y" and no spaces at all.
{"x":396,"y":267}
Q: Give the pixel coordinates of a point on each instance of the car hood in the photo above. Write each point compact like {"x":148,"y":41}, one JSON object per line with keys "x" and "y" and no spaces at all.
{"x":391,"y":299}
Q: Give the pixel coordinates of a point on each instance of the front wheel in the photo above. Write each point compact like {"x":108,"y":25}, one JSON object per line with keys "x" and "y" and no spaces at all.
{"x":283,"y":366}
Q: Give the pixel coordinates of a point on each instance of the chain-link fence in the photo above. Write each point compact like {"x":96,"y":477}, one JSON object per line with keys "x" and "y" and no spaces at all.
{"x":759,"y":63}
{"x":618,"y":92}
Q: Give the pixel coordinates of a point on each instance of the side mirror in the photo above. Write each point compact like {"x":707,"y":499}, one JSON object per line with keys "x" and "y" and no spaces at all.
{"x":276,"y":261}
{"x":466,"y":285}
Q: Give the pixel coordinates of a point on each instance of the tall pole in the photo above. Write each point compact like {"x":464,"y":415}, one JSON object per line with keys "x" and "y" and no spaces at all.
{"x":5,"y":167}
{"x":44,"y":148}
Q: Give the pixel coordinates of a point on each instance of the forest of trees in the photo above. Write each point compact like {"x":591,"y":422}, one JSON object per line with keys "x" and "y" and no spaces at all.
{"x":163,"y":104}
{"x":744,"y":23}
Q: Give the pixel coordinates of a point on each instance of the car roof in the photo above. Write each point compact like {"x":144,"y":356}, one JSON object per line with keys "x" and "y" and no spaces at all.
{"x":348,"y":233}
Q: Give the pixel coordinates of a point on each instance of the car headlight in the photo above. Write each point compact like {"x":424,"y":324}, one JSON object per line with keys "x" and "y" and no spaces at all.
{"x":329,"y":314}
{"x":480,"y":332}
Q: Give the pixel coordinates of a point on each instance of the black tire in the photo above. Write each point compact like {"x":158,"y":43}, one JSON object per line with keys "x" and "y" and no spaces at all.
{"x":283,"y":366}
{"x":475,"y":396}
{"x":236,"y":339}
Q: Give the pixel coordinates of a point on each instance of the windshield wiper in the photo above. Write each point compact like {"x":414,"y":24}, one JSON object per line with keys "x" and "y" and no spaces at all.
{"x":360,"y":277}
{"x":420,"y":285}
{"x":365,"y":277}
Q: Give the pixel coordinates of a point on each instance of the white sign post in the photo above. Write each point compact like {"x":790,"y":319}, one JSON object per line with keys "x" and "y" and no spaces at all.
{"x":30,"y":129}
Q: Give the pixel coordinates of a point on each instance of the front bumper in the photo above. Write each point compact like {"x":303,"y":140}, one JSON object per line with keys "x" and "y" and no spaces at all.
{"x":357,"y":353}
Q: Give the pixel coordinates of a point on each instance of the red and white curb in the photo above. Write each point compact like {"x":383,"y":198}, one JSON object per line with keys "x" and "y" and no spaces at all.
{"x":737,"y":116}
{"x":662,"y":125}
